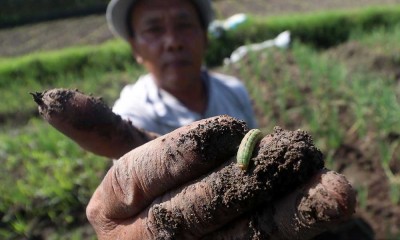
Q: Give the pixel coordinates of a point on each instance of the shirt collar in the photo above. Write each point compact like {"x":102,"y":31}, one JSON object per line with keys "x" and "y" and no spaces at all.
{"x":168,"y":110}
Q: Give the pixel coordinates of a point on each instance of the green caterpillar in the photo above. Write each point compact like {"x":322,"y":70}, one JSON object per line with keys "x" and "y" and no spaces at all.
{"x":246,"y":148}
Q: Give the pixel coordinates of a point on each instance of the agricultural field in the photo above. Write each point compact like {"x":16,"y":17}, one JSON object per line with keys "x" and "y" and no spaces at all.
{"x":93,"y":29}
{"x":346,"y":96}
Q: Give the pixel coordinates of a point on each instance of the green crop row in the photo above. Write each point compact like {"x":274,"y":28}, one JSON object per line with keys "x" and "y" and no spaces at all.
{"x":321,"y":30}
{"x":46,"y":179}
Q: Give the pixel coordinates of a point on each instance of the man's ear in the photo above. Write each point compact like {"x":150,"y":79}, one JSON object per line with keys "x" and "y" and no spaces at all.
{"x":135,"y":52}
{"x":138,"y":58}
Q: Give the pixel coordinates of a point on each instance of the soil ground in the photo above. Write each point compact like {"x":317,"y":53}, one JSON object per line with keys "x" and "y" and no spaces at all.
{"x":376,"y":217}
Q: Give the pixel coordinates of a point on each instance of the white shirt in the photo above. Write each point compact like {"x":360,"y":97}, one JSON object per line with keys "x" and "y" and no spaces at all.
{"x":154,"y":109}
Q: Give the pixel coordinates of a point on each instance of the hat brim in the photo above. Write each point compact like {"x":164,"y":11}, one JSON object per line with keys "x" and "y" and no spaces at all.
{"x":118,"y":10}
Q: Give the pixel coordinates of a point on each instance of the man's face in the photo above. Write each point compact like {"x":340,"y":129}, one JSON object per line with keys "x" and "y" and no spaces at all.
{"x":169,"y":41}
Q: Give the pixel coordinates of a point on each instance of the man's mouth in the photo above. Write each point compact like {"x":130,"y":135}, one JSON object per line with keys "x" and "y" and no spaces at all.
{"x":176,"y":63}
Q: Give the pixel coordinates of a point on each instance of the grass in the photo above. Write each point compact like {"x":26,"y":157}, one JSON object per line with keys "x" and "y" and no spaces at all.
{"x":46,"y":180}
{"x":99,"y":76}
{"x":52,"y":179}
{"x":331,"y":87}
{"x":303,"y":88}
{"x":284,"y":92}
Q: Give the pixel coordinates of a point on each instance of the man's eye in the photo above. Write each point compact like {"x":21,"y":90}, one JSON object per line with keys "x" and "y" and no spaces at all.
{"x":155,"y":29}
{"x":184,"y":25}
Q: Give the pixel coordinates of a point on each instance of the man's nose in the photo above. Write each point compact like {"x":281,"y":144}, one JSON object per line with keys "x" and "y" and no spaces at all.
{"x":173,"y":40}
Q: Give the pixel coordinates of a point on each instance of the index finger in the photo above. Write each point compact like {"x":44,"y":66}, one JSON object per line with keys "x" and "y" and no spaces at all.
{"x":165,"y":163}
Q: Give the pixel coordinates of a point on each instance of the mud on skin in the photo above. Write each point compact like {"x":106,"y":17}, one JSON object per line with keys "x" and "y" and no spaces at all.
{"x":90,"y":122}
{"x":56,"y":101}
{"x":282,"y":161}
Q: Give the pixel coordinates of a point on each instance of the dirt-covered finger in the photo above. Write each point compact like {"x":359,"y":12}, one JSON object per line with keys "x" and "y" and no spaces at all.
{"x":90,"y":122}
{"x":282,"y":161}
{"x":322,"y":203}
{"x":165,"y":163}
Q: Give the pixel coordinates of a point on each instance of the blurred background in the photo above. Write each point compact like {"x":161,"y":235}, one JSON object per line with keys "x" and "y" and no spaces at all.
{"x":339,"y":79}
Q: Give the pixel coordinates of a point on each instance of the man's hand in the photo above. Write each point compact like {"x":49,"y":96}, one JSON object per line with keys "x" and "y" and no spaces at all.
{"x":175,"y":187}
{"x":187,"y":184}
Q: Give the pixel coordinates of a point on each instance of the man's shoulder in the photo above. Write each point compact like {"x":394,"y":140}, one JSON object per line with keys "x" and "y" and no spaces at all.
{"x":142,"y":85}
{"x":232,"y":83}
{"x":134,"y":96}
{"x":223,"y":77}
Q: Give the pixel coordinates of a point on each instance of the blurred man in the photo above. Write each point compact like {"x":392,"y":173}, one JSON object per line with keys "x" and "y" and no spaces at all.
{"x":169,"y":38}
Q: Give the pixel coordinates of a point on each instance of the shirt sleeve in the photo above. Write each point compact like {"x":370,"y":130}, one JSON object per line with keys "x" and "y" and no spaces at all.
{"x":233,"y":95}
{"x":247,"y":106}
{"x":124,"y":105}
{"x":132,"y":106}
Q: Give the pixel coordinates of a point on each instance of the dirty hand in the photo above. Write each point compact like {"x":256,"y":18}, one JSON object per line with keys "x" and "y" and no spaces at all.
{"x":188,"y":185}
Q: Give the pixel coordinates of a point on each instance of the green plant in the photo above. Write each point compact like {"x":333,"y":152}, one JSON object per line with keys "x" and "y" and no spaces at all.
{"x":48,"y":186}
